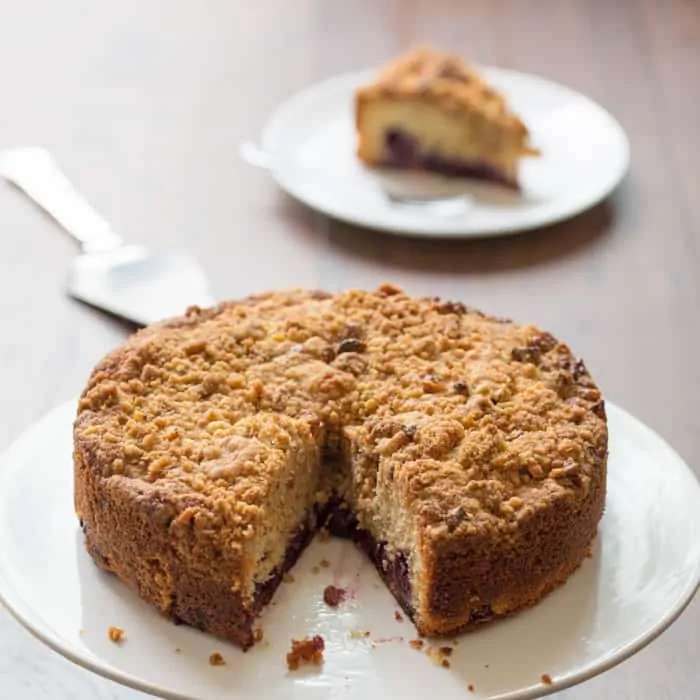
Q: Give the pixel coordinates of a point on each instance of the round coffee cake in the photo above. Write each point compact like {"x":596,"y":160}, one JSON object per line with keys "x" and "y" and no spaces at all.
{"x":466,"y":455}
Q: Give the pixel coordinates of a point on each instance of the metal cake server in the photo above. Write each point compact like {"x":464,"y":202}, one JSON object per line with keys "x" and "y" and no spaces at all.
{"x":130,"y":281}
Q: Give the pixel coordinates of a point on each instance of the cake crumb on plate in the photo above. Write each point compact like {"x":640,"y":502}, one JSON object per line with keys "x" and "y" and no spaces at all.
{"x":416,"y":643}
{"x":398,"y":616}
{"x":306,"y":650}
{"x":116,"y":634}
{"x":333,"y":596}
{"x":216,"y":659}
{"x":359,"y":634}
{"x":546,"y":679}
{"x":438,"y":655}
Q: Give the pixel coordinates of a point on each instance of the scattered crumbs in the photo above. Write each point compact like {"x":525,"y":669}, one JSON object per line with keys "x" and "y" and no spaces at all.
{"x":116,"y":634}
{"x":359,"y":634}
{"x":546,"y":679}
{"x":216,"y":659}
{"x":287,"y":578}
{"x":455,"y":642}
{"x":306,"y":651}
{"x":486,"y":665}
{"x":373,"y":645}
{"x":433,"y":654}
{"x":471,"y":688}
{"x":315,"y":569}
{"x":257,"y":634}
{"x":333,"y":596}
{"x":324,"y":563}
{"x":323,"y":534}
{"x":438,"y":655}
{"x":416,"y":643}
{"x":178,"y":650}
{"x":398,"y":616}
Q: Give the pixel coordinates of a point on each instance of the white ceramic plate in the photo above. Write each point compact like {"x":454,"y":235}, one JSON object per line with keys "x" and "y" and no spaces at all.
{"x":644,"y":571}
{"x":310,"y":141}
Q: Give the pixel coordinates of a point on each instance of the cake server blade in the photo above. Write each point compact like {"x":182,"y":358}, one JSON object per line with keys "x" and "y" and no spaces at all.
{"x":136,"y":283}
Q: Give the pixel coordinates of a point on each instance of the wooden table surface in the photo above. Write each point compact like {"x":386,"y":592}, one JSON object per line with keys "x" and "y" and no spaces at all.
{"x":145,"y":104}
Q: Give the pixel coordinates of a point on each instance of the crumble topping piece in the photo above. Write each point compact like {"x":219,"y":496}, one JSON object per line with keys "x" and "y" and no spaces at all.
{"x":306,"y":651}
{"x":116,"y":634}
{"x":216,"y":660}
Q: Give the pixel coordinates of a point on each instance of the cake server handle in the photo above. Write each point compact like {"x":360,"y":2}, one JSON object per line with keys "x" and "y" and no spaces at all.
{"x":34,"y":171}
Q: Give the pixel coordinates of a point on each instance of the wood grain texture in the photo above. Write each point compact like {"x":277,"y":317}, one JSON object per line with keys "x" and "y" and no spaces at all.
{"x":144,"y":105}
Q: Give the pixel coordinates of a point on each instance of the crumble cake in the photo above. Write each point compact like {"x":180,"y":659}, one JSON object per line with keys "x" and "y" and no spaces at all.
{"x":429,"y":110}
{"x":466,"y":455}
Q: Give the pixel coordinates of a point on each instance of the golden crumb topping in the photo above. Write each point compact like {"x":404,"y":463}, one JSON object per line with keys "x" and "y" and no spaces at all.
{"x":464,"y":416}
{"x":427,"y":73}
{"x":115,"y":634}
{"x":306,"y":651}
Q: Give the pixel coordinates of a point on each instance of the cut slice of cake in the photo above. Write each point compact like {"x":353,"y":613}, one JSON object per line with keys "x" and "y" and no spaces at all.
{"x":430,"y":110}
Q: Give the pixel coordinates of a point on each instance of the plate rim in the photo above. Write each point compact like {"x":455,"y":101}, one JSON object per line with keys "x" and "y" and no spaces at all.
{"x":274,"y":121}
{"x":28,"y":618}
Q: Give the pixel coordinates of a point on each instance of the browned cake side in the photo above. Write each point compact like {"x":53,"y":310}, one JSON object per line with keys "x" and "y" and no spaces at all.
{"x":464,"y":454}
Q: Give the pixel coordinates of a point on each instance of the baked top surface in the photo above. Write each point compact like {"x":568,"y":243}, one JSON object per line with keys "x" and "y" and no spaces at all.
{"x":427,"y":73}
{"x":473,"y":419}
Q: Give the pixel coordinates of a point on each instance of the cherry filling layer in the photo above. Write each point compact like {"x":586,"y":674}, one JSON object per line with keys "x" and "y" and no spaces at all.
{"x":394,"y":570}
{"x":403,"y":151}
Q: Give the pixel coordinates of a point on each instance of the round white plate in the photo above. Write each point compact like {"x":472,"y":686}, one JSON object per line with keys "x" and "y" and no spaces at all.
{"x":310,"y":142}
{"x":644,"y":571}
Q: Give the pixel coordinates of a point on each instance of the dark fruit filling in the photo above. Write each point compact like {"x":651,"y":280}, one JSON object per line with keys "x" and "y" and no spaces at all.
{"x":341,"y":522}
{"x":402,"y":151}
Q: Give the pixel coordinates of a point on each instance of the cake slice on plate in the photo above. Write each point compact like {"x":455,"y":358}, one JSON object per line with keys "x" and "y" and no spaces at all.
{"x":429,"y":110}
